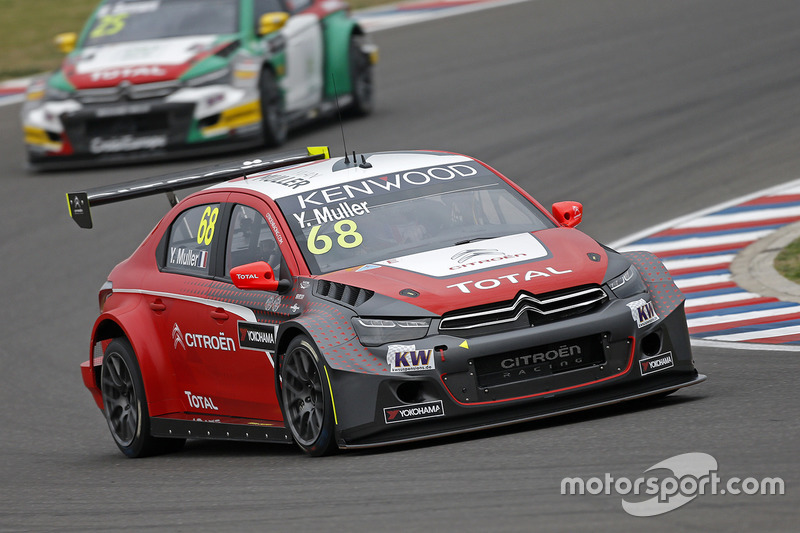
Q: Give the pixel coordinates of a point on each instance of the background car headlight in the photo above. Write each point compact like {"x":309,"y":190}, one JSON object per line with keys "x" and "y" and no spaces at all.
{"x":52,"y":93}
{"x":376,"y":331}
{"x":216,"y":77}
{"x":628,"y":284}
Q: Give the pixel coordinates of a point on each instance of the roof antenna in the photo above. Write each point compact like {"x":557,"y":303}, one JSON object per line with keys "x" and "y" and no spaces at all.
{"x":341,"y":124}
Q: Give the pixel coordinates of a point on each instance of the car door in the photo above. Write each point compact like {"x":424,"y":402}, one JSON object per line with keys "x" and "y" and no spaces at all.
{"x":182,"y":307}
{"x":303,"y":83}
{"x":250,"y":383}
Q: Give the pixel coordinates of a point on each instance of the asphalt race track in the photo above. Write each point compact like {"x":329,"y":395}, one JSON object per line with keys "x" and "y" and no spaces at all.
{"x":644,"y":110}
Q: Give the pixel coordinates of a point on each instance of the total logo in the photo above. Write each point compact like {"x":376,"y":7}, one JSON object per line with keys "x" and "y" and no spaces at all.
{"x":492,"y":283}
{"x":219,"y":342}
{"x":418,"y":411}
{"x":200,"y":402}
{"x":128,"y":72}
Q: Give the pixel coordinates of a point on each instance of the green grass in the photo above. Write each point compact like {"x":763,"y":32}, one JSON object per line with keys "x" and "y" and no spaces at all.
{"x":27,"y":29}
{"x":787,"y":262}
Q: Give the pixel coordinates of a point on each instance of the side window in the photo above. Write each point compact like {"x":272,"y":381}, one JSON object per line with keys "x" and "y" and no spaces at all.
{"x":250,"y":240}
{"x":190,"y":240}
{"x":266,"y":6}
{"x":295,"y":6}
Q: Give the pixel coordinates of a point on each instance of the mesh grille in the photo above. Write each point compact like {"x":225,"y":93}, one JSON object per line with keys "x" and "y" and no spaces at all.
{"x":131,"y":92}
{"x":544,"y":308}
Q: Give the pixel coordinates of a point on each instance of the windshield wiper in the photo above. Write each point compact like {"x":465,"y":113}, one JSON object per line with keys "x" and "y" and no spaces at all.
{"x":473,"y":240}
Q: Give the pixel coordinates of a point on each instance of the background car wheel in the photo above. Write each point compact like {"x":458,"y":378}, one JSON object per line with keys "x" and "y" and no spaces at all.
{"x":273,"y":114}
{"x":125,"y":405}
{"x":361,"y":79}
{"x":307,"y":405}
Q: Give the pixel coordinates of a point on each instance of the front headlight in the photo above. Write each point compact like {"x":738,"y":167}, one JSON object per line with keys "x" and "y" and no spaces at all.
{"x":377,"y":331}
{"x":628,"y":284}
{"x":216,"y":77}
{"x":52,"y":93}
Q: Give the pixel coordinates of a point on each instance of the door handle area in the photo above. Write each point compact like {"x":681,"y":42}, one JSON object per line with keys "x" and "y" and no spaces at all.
{"x":219,"y":314}
{"x":157,"y":305}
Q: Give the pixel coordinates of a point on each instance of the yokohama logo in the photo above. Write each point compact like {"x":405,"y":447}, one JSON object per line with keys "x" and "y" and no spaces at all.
{"x":404,"y":413}
{"x":257,"y":336}
{"x":656,"y":363}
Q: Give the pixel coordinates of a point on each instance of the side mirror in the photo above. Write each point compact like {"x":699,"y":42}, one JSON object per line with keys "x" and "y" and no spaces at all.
{"x":568,"y":214}
{"x":271,"y":22}
{"x":257,"y":276}
{"x":66,"y":41}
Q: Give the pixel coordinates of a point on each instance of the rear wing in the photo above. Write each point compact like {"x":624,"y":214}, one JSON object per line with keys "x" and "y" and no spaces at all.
{"x":80,"y":203}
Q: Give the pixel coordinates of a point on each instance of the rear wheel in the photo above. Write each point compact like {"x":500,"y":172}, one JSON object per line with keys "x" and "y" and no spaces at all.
{"x":307,"y":404}
{"x":361,"y":79}
{"x":125,"y":405}
{"x":274,"y":124}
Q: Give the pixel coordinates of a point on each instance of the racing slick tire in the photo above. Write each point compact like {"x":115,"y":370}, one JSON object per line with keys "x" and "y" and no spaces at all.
{"x":274,"y":124}
{"x":125,"y":405}
{"x":306,"y":398}
{"x":361,"y":79}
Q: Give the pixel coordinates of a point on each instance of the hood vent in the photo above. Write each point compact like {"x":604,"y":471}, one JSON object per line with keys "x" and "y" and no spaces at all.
{"x":352,"y":296}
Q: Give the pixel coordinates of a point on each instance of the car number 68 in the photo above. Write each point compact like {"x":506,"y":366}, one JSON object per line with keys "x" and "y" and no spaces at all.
{"x":205,"y":233}
{"x":348,"y":238}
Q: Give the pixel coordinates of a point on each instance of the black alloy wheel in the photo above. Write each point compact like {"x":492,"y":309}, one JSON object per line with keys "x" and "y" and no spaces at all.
{"x":125,"y":406}
{"x":307,"y":404}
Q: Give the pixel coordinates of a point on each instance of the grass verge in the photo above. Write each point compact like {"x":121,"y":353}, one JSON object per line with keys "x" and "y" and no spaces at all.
{"x":27,"y":28}
{"x":787,"y":262}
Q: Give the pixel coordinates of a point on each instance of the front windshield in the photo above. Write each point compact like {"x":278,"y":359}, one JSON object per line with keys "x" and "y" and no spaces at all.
{"x":386,"y":217}
{"x":140,"y":20}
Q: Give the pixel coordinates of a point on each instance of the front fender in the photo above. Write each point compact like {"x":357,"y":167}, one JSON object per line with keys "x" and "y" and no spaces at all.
{"x":337,"y":30}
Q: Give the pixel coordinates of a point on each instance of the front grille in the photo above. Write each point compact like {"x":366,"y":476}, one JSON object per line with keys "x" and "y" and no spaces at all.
{"x":540,"y":309}
{"x":343,"y":293}
{"x":539,"y":361}
{"x":127,"y":92}
{"x":127,"y":124}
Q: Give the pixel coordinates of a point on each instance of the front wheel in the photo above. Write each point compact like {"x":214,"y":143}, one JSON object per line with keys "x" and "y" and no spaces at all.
{"x":307,"y":400}
{"x":361,"y":79}
{"x":125,"y":405}
{"x":274,"y":125}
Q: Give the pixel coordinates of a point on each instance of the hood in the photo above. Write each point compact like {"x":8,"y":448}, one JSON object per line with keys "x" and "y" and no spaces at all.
{"x":486,"y":271}
{"x":137,"y":62}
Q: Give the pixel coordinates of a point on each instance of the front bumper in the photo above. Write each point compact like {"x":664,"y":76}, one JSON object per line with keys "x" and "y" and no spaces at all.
{"x":462,"y":394}
{"x":73,"y":134}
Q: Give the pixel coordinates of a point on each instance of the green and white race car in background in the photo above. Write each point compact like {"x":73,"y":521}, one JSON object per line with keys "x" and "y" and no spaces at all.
{"x":154,"y":78}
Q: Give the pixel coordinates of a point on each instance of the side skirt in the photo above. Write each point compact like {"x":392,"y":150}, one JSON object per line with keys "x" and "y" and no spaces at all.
{"x":246,"y":430}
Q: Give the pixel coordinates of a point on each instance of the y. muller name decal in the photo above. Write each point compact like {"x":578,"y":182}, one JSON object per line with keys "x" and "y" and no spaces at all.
{"x":350,"y":200}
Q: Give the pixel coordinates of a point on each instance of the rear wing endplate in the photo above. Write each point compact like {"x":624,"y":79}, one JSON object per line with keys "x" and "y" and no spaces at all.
{"x":80,"y":203}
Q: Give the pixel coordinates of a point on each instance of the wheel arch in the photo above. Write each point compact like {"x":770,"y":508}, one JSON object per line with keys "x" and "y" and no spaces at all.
{"x":338,"y":29}
{"x":153,"y":360}
{"x":286,"y":334}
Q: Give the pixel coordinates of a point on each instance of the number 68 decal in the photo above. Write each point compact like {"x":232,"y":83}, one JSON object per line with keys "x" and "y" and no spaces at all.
{"x":348,"y":237}
{"x":205,"y":233}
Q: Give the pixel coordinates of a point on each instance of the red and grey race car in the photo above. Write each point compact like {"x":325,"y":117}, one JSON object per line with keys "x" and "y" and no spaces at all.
{"x":366,"y":300}
{"x":157,"y":78}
